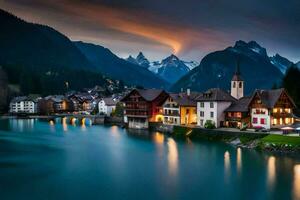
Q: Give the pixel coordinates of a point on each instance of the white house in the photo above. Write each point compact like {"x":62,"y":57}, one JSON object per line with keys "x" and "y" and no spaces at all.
{"x":107,"y":106}
{"x":211,"y":106}
{"x":271,"y":109}
{"x":23,"y":105}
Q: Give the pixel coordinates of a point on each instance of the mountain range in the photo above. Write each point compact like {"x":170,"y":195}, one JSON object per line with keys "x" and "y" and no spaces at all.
{"x":112,"y":66}
{"x":217,"y":68}
{"x":32,"y":53}
{"x":41,"y":60}
{"x":170,"y":69}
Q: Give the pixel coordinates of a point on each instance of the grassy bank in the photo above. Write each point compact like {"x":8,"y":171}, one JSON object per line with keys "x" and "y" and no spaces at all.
{"x":280,"y":143}
{"x":217,"y":135}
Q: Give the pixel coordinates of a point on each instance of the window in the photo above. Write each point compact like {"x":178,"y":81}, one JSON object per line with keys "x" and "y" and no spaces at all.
{"x":240,"y":85}
{"x":233,"y":85}
{"x":211,"y":114}
{"x":201,"y":113}
{"x":262,"y":121}
{"x":201,"y":122}
{"x":202,"y":104}
{"x":187,"y":111}
{"x":211,"y":104}
{"x":254,"y":120}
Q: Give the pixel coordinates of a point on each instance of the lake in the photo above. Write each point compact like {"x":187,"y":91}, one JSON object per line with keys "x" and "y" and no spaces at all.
{"x":42,"y":160}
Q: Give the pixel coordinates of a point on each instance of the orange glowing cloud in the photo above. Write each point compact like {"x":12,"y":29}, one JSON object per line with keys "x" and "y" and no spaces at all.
{"x":121,"y":21}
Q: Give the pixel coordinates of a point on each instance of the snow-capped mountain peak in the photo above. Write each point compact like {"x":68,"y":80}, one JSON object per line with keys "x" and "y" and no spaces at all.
{"x":171,"y":68}
{"x":139,"y":60}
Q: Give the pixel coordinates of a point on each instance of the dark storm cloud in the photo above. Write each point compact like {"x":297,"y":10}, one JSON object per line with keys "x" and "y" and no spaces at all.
{"x":189,"y":28}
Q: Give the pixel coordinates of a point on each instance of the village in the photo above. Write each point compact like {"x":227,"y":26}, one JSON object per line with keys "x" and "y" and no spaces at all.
{"x":263,"y":111}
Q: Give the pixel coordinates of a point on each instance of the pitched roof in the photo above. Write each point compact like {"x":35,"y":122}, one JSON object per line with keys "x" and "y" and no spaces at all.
{"x":110,"y":101}
{"x":215,"y":94}
{"x":240,"y":105}
{"x":24,"y":98}
{"x":270,"y":97}
{"x":149,"y":94}
{"x":185,"y":100}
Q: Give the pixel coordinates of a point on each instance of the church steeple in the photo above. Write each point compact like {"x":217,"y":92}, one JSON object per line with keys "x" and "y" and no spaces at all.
{"x":237,"y":83}
{"x":237,"y":73}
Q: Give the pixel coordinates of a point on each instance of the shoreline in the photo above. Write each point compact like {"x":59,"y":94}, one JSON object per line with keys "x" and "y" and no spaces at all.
{"x":266,"y":142}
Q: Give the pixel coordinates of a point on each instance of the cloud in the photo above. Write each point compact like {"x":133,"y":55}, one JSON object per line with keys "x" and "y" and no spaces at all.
{"x":188,"y":28}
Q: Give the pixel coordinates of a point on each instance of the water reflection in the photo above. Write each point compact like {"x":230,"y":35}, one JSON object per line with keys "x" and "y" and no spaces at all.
{"x":115,"y":131}
{"x":64,"y":124}
{"x":227,"y":164}
{"x":296,"y":184}
{"x":239,"y":160}
{"x":271,"y":171}
{"x":158,"y":138}
{"x":172,"y":156}
{"x":21,"y":125}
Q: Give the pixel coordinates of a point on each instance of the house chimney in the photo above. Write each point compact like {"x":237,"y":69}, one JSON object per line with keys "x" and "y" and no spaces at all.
{"x":188,"y":92}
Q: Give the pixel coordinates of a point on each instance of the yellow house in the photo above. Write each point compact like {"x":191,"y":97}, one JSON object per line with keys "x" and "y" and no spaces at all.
{"x":180,"y":109}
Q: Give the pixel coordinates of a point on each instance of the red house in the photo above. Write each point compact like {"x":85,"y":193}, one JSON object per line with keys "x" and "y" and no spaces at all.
{"x":143,"y":106}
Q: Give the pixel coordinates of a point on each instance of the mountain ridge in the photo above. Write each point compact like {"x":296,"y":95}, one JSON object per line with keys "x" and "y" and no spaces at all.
{"x":217,"y":68}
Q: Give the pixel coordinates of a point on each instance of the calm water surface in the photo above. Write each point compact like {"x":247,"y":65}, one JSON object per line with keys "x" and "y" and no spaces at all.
{"x":39,"y":160}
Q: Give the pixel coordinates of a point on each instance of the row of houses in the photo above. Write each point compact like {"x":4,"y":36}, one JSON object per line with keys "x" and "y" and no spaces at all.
{"x":263,"y":109}
{"x":79,"y":103}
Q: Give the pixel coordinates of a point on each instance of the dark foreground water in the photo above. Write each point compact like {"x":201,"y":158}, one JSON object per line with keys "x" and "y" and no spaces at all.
{"x":39,"y":160}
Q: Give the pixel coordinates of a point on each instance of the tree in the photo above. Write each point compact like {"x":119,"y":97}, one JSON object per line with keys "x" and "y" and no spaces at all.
{"x":291,"y":83}
{"x":209,"y":124}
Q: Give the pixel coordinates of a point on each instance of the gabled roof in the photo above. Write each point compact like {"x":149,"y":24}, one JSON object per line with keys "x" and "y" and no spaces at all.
{"x":240,"y":105}
{"x":215,"y":94}
{"x":270,"y":97}
{"x":109,"y":101}
{"x":147,"y":94}
{"x":183,"y":99}
{"x":24,"y":98}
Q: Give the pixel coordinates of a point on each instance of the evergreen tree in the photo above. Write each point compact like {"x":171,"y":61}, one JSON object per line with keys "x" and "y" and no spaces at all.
{"x":291,"y":83}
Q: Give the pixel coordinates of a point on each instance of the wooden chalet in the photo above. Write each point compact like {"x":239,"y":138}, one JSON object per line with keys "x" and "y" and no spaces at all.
{"x":271,"y":109}
{"x":143,"y":106}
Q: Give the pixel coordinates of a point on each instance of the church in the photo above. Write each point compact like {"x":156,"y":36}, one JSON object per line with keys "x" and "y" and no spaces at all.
{"x":268,"y":109}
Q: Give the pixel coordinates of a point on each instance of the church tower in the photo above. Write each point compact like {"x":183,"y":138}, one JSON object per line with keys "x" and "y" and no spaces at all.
{"x":237,"y":84}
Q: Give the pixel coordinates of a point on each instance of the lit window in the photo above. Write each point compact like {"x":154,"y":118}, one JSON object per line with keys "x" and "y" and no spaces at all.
{"x":254,"y":120}
{"x":287,"y":110}
{"x":275,"y":121}
{"x":275,"y":110}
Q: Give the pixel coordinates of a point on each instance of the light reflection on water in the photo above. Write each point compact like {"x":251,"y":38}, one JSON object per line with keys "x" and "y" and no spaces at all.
{"x":271,"y":172}
{"x":111,"y":158}
{"x":65,"y":124}
{"x":296,"y":183}
{"x":227,"y":164}
{"x":172,"y":156}
{"x":239,"y":160}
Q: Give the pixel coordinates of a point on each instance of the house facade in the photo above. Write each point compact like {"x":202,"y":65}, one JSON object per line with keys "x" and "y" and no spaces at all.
{"x":211,"y":106}
{"x":107,"y":105}
{"x":237,"y":114}
{"x":23,"y":105}
{"x":271,"y":109}
{"x":143,"y":106}
{"x":180,"y":109}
